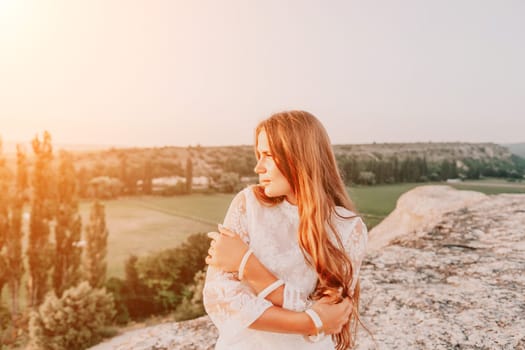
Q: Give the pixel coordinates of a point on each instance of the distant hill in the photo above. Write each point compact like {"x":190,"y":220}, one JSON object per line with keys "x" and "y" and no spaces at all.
{"x":433,"y":152}
{"x":241,"y":159}
{"x":359,"y":163}
{"x":516,"y":148}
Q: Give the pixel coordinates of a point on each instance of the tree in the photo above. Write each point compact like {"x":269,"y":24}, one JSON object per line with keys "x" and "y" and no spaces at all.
{"x":229,"y":182}
{"x":192,"y":304}
{"x":15,"y":266}
{"x":167,"y":272}
{"x":40,"y":251}
{"x":189,"y":174}
{"x":67,"y":230}
{"x":139,"y":299}
{"x":126,"y":175}
{"x":104,"y":187}
{"x":4,"y":218}
{"x":148,"y":178}
{"x":96,"y":246}
{"x":367,"y":178}
{"x":83,"y":182}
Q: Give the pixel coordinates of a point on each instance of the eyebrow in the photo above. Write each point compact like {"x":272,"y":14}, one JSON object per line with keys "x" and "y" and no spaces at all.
{"x":263,"y":151}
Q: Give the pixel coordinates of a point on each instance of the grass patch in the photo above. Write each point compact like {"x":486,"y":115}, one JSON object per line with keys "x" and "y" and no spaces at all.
{"x":139,"y":230}
{"x":492,"y":189}
{"x":376,"y":202}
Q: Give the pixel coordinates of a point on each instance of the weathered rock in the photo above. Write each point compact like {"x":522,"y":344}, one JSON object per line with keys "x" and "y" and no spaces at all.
{"x":457,"y":285}
{"x":419,"y":209}
{"x":197,"y":334}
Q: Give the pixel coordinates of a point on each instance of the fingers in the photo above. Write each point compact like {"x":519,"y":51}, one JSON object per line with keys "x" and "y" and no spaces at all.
{"x":327,"y":300}
{"x":213,"y":235}
{"x":225,"y":231}
{"x":346,"y":303}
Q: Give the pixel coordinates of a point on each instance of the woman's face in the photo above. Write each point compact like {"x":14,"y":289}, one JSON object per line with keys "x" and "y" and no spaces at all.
{"x":274,"y":182}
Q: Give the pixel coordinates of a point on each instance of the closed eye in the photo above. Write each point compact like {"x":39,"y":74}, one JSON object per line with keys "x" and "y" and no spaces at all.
{"x":265,"y":154}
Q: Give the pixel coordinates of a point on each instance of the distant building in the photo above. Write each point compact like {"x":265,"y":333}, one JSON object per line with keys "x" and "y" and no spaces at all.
{"x":167,"y":181}
{"x":248,"y":180}
{"x":200,"y":182}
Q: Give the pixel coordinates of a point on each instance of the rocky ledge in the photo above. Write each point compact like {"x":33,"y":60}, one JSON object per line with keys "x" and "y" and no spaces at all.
{"x":458,"y":283}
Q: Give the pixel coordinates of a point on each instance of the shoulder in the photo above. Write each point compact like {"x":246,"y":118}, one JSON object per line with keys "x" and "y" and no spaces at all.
{"x":345,"y":216}
{"x":243,"y":197}
{"x":349,"y":223}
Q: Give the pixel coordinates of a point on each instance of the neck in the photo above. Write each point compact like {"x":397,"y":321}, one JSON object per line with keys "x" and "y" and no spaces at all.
{"x":291,"y":199}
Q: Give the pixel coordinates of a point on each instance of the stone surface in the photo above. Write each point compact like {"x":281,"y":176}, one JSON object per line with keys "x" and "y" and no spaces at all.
{"x":458,"y":283}
{"x":419,"y":209}
{"x":197,"y":334}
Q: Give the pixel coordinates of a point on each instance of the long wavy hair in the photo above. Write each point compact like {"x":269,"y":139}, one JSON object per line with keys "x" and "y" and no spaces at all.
{"x":303,"y":153}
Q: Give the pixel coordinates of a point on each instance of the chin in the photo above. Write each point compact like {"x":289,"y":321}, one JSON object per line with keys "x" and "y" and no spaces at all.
{"x":269,"y":193}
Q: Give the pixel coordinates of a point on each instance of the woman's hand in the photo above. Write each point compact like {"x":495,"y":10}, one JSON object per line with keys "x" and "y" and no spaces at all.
{"x":226,"y":250}
{"x":334,"y":316}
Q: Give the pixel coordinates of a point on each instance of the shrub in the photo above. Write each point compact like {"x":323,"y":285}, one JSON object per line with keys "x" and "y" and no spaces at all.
{"x":160,"y":282}
{"x":5,"y":317}
{"x":117,"y":287}
{"x":77,"y":320}
{"x":167,"y":272}
{"x":191,"y":306}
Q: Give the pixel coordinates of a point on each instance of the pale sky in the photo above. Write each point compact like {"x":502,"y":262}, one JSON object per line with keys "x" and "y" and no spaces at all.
{"x":155,"y":73}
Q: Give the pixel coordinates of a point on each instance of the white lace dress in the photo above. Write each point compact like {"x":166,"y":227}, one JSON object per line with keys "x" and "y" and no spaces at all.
{"x":272,"y":234}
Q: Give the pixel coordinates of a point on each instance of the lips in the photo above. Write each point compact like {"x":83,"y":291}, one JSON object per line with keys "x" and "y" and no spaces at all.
{"x":264,"y":182}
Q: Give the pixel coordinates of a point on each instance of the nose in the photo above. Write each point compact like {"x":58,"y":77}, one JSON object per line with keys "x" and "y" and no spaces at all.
{"x":259,"y":168}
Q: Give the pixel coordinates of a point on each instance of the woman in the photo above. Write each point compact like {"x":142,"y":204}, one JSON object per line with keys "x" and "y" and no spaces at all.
{"x":283,"y":271}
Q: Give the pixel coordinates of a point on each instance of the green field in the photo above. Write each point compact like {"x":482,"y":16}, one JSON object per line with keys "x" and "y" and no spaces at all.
{"x":376,"y":202}
{"x":143,"y":225}
{"x":140,"y":225}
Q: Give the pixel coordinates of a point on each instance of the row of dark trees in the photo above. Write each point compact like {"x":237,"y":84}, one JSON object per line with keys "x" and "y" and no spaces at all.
{"x":122,"y":170}
{"x":354,"y":171}
{"x":57,"y":255}
{"x":420,"y":170}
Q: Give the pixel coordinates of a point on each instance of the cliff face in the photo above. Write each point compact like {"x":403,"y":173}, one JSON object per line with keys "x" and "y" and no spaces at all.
{"x":452,"y":279}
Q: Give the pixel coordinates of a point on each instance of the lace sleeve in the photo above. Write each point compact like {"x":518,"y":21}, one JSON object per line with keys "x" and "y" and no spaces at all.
{"x":355,"y":246}
{"x":295,"y":299}
{"x":232,"y":305}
